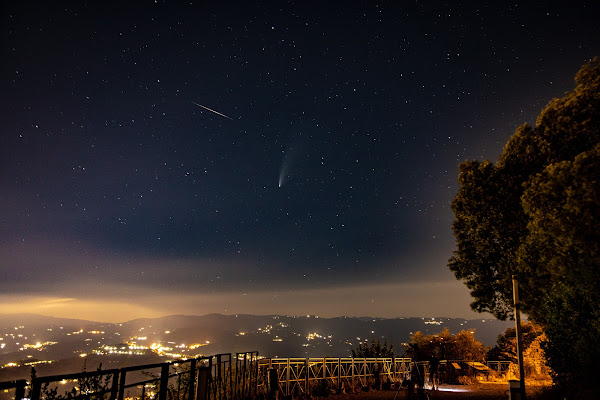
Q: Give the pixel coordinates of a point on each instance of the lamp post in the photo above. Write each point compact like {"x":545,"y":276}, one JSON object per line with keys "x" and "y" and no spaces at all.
{"x":519,"y":339}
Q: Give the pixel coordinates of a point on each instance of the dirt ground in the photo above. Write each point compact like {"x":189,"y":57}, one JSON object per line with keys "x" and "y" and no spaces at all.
{"x":484,"y":391}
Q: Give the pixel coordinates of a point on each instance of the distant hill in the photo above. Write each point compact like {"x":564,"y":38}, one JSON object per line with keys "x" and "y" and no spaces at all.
{"x":36,"y":320}
{"x":69,"y":345}
{"x":271,"y":335}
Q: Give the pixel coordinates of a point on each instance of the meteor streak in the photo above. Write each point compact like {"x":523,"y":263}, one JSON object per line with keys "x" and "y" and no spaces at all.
{"x":216,"y":112}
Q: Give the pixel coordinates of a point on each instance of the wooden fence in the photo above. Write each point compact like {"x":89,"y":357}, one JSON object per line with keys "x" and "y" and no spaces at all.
{"x":226,"y":377}
{"x":202,"y":378}
{"x":296,"y":376}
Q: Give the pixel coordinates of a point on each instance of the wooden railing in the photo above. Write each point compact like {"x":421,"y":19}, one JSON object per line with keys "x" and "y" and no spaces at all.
{"x":226,"y":377}
{"x":296,"y":376}
{"x":200,"y":378}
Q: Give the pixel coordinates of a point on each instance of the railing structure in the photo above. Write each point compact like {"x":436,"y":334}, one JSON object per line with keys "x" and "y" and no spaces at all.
{"x":501,"y":367}
{"x":220,"y":379}
{"x":296,"y":376}
{"x":18,"y":386}
{"x":246,"y":375}
{"x":225,"y":377}
{"x":201,"y":378}
{"x":450,"y":370}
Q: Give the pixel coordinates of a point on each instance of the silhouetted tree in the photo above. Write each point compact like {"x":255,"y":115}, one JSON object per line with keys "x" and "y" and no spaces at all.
{"x":373,"y":349}
{"x":536,"y":214}
{"x":506,"y":345}
{"x":445,"y":346}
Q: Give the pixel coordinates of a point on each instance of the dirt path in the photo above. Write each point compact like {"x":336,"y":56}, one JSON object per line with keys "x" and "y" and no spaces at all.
{"x":488,"y":391}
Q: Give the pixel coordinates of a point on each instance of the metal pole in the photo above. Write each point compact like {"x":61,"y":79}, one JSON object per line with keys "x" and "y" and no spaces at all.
{"x":519,"y":338}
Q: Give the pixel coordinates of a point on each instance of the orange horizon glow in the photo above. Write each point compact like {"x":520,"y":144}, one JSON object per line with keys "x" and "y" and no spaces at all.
{"x":384,"y":300}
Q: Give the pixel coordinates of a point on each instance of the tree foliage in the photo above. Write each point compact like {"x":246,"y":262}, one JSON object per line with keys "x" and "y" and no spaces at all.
{"x":444,"y":345}
{"x":534,"y":359}
{"x":506,"y":345}
{"x":536,"y":214}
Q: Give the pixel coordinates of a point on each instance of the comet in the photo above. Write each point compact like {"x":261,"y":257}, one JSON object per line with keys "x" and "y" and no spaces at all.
{"x":283,"y":172}
{"x":211,"y":110}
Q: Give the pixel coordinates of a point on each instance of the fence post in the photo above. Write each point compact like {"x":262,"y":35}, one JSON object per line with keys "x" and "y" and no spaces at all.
{"x":352,"y":365}
{"x":20,"y":389}
{"x":164,"y":381}
{"x":244,"y":371}
{"x":255,"y":369}
{"x":192,"y":380}
{"x":36,"y":388}
{"x":287,"y":377}
{"x":114,"y":390}
{"x":219,"y":377}
{"x":232,"y":391}
{"x":237,"y":387}
{"x":339,"y":376}
{"x":122,"y":378}
{"x":202,"y":387}
{"x":307,"y":378}
{"x":272,"y":384}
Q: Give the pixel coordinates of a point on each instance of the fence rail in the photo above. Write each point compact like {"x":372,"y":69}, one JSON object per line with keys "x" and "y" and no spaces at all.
{"x":226,"y":377}
{"x":18,"y":385}
{"x":295,"y":376}
{"x":201,"y":378}
{"x":499,"y":366}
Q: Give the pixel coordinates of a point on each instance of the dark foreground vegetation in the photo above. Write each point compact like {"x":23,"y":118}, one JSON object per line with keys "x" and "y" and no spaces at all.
{"x":535,"y":214}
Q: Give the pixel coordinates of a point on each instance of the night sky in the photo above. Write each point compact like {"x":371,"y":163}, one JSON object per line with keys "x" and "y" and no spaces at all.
{"x":320,"y":182}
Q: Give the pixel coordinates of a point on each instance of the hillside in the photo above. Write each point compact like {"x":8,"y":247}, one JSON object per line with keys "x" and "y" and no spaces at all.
{"x":29,"y":339}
